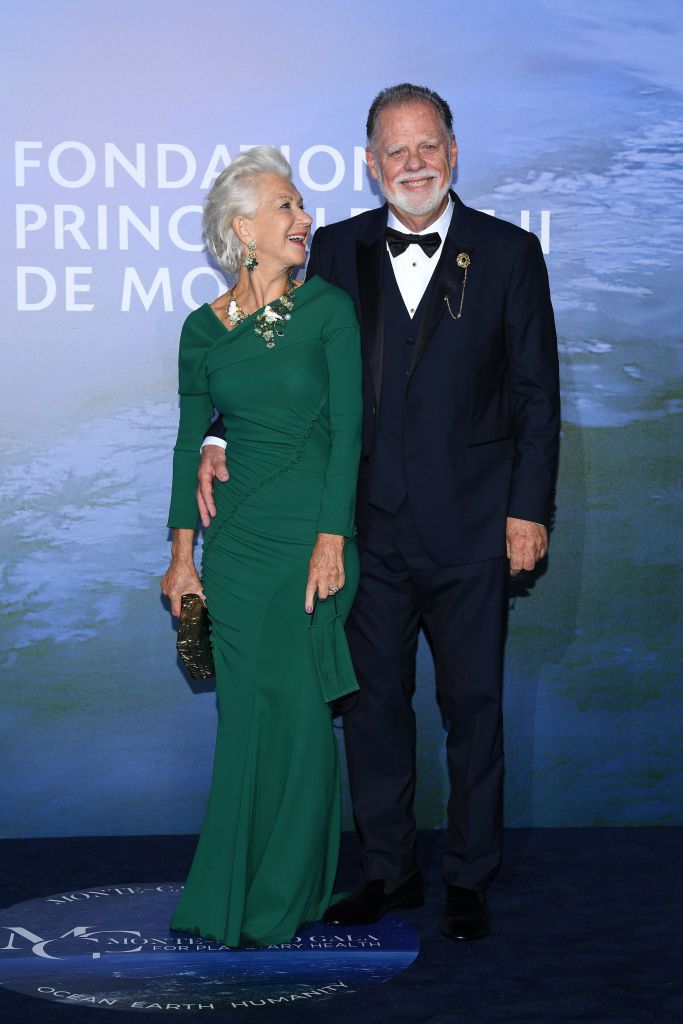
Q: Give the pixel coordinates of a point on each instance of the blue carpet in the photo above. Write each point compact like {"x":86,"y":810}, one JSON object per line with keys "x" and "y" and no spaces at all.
{"x":586,"y":931}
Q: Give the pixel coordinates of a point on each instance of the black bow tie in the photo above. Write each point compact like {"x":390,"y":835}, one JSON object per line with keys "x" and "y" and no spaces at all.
{"x":399,"y":241}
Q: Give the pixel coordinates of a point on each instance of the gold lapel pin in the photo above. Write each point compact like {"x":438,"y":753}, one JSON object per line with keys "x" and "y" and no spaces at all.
{"x":463,"y":260}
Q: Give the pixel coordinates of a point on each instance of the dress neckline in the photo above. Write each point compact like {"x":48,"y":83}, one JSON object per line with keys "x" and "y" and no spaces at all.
{"x":250,"y":316}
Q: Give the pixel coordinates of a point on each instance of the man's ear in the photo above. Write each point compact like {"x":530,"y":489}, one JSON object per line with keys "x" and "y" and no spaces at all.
{"x":372,"y":167}
{"x":454,"y":151}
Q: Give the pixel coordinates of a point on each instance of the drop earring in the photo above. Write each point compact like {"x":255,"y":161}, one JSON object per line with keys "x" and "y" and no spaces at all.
{"x":250,"y":261}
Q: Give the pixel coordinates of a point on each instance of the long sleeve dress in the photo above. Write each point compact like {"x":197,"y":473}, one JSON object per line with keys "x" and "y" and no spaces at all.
{"x":267,"y":853}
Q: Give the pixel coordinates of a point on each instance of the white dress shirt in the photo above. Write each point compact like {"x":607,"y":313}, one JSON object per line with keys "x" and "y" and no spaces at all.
{"x":413,"y":270}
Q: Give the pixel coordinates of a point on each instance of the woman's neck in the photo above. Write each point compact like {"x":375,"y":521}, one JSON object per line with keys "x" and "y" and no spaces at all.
{"x":254,"y":290}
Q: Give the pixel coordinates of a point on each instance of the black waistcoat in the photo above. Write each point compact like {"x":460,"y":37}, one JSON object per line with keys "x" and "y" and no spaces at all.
{"x":388,"y":482}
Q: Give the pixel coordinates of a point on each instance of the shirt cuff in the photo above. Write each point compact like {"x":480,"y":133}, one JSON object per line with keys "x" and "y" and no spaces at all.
{"x":214,"y":440}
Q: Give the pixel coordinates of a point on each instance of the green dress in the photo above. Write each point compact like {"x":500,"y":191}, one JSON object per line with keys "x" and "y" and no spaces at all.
{"x":268,"y":849}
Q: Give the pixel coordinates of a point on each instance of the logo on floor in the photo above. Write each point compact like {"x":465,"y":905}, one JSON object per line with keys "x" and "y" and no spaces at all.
{"x":111,"y":948}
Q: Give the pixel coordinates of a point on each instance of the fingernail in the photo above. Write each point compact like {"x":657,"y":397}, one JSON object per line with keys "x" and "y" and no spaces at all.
{"x":309,"y":608}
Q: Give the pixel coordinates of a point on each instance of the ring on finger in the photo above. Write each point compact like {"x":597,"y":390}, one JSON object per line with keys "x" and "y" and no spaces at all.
{"x":333,"y":590}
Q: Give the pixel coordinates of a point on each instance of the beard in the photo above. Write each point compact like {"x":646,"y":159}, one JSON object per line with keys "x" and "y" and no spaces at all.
{"x":419,"y":205}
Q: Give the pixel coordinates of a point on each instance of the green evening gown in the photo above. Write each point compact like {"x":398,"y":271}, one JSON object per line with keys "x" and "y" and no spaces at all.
{"x":268,"y":849}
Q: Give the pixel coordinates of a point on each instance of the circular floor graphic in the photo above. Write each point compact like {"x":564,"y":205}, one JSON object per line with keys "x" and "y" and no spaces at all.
{"x":111,"y":948}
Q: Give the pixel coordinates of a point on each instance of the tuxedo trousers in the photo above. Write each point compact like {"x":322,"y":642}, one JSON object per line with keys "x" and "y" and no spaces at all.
{"x":463,"y":609}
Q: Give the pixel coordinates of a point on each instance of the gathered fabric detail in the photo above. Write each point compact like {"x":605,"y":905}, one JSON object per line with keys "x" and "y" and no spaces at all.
{"x":210,"y":538}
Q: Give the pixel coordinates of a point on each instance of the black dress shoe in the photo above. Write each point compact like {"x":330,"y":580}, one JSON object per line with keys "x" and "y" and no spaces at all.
{"x":370,"y":902}
{"x":465,"y":915}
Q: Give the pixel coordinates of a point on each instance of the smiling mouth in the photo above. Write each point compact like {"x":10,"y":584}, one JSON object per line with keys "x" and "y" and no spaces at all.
{"x":297,"y":239}
{"x":417,"y":182}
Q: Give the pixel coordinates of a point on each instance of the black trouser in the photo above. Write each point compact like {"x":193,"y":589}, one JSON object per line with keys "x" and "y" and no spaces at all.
{"x":463,"y":607}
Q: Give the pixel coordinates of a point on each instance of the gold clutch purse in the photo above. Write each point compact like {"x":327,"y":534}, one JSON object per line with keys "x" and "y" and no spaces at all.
{"x":194,"y":637}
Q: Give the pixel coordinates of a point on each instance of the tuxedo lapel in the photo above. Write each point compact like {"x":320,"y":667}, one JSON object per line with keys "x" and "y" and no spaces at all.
{"x":447,"y":278}
{"x":370,"y":262}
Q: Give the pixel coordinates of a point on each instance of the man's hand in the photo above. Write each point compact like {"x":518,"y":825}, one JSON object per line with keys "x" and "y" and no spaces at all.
{"x":526,"y":544}
{"x":211,"y":467}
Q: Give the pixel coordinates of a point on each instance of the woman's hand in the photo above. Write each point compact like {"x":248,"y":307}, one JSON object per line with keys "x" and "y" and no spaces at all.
{"x":326,"y":568}
{"x":181,"y":577}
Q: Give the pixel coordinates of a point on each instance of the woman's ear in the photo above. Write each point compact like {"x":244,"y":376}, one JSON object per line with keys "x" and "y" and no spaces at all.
{"x":242,"y":229}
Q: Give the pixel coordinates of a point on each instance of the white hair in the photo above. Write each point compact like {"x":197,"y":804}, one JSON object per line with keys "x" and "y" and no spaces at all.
{"x":234,"y":194}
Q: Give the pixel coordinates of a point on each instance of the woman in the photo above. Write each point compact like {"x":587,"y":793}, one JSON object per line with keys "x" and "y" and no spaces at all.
{"x":280,"y":567}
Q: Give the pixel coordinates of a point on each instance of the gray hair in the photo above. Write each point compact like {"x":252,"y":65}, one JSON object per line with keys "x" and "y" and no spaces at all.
{"x":398,"y":95}
{"x":233,"y":194}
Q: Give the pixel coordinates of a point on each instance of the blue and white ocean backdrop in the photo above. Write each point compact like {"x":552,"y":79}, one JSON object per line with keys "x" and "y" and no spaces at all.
{"x":569,"y":108}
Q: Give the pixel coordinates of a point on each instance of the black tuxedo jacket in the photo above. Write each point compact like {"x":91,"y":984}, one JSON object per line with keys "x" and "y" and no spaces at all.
{"x":482,"y":394}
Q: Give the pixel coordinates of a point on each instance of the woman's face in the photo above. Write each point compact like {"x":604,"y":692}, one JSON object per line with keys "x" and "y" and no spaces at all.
{"x":280,"y":226}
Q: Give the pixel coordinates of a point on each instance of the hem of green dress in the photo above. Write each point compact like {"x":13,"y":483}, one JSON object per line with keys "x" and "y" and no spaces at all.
{"x":245,"y":940}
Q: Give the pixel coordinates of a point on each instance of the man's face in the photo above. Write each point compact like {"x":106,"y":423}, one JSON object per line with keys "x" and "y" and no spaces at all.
{"x":413,"y":158}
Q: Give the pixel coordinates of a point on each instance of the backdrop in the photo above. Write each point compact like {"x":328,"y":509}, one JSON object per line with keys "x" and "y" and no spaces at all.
{"x":568,"y":116}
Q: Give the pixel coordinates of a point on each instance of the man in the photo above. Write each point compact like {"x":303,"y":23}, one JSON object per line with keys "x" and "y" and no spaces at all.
{"x":460,"y":444}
